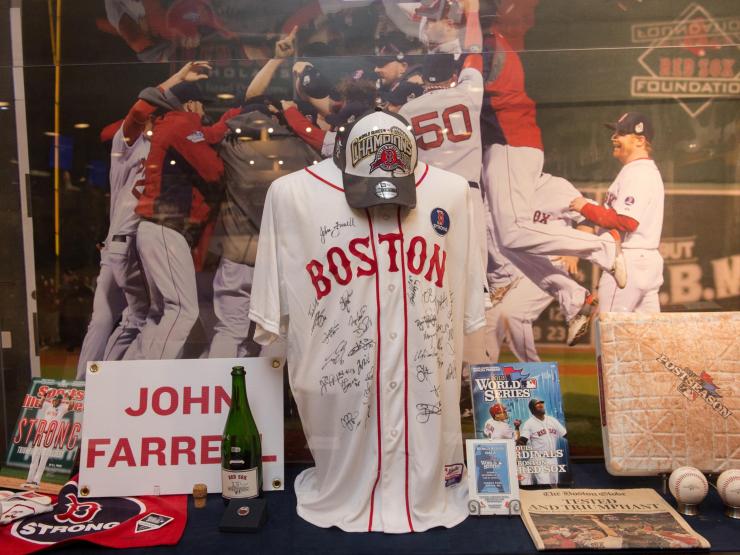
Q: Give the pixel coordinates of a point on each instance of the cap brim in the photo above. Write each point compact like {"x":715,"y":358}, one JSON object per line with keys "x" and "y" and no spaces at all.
{"x":612,"y":126}
{"x":365,"y":192}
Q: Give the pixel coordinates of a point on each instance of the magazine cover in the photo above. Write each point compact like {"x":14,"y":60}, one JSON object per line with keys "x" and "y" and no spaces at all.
{"x":492,"y":477}
{"x":46,"y":437}
{"x":605,"y":519}
{"x":522,"y":401}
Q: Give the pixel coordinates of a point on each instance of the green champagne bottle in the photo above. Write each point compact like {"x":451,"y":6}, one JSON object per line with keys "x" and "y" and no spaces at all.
{"x":241,"y":449}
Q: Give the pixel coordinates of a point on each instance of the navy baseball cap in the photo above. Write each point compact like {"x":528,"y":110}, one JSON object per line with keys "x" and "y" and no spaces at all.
{"x":402,"y":93}
{"x":534,"y":402}
{"x":187,"y":90}
{"x":439,"y":68}
{"x":313,"y":83}
{"x":377,"y":156}
{"x":348,"y":114}
{"x":633,"y":123}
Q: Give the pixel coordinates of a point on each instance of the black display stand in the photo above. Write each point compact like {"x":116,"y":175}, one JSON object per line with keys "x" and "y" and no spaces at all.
{"x":286,"y":532}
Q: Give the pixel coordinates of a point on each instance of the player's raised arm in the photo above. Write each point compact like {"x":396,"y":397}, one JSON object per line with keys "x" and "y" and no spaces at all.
{"x":152,"y":98}
{"x":284,"y":48}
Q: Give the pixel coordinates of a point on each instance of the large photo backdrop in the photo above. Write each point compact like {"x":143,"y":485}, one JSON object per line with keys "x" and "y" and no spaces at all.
{"x":278,"y":79}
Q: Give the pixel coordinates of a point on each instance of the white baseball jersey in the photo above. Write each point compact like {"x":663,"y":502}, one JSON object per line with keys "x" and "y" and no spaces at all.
{"x":374,"y":304}
{"x":495,"y":429}
{"x":126,"y":175}
{"x":542,"y":435}
{"x":446,"y":123}
{"x":638,"y":192}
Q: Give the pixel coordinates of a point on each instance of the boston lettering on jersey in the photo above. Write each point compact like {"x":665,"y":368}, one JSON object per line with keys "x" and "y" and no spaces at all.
{"x":421,"y":259}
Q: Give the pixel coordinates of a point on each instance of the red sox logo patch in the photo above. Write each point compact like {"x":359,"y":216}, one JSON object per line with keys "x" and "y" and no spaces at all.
{"x":440,"y":221}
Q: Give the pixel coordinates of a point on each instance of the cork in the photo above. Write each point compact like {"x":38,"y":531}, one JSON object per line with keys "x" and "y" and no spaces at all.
{"x":200,"y":492}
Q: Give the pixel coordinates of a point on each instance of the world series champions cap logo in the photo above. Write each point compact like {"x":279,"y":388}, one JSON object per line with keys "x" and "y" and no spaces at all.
{"x":391,"y":150}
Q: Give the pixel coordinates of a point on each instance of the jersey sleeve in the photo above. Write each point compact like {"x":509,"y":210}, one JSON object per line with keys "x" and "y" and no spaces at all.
{"x":559,"y":427}
{"x":526,"y":430}
{"x":476,"y":290}
{"x":471,"y":80}
{"x":488,"y":428}
{"x":267,"y":302}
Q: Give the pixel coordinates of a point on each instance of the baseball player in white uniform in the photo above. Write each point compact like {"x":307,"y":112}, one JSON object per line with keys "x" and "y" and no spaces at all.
{"x":634,"y":207}
{"x":497,"y":426}
{"x":541,"y":433}
{"x":372,"y":272}
{"x":52,"y":411}
{"x":517,"y":301}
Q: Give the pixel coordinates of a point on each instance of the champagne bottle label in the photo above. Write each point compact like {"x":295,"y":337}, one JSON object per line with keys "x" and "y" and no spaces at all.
{"x":239,"y":484}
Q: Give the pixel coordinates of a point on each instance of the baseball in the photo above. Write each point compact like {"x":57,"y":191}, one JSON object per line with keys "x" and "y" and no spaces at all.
{"x":728,"y":486}
{"x":688,"y":485}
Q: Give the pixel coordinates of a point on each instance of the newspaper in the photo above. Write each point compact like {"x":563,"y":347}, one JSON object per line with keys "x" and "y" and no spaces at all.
{"x":605,"y":519}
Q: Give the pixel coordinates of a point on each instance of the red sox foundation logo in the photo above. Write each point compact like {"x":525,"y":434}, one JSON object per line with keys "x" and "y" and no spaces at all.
{"x":692,"y":57}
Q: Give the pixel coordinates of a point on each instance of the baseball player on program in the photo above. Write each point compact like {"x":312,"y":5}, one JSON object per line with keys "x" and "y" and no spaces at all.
{"x":541,"y":433}
{"x":497,"y":427}
{"x":634,"y":208}
{"x":120,"y":290}
{"x":52,"y":410}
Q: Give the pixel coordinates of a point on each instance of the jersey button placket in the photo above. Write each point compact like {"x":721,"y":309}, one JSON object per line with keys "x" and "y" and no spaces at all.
{"x":391,"y":368}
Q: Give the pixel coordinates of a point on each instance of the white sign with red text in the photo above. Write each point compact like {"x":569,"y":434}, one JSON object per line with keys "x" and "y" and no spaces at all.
{"x":154,"y":427}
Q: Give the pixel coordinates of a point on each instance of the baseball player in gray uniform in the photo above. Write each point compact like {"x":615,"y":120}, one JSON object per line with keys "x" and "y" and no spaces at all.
{"x":517,"y":301}
{"x":120,"y":291}
{"x":633,"y":207}
{"x":369,"y":264}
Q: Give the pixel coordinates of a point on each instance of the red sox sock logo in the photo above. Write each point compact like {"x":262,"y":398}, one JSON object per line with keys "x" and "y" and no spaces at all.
{"x":387,"y":159}
{"x":78,"y":512}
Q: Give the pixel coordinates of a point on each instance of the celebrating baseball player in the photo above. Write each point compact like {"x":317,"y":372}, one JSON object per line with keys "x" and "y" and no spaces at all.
{"x":249,"y":166}
{"x":517,"y":301}
{"x":513,"y":158}
{"x":120,"y":291}
{"x":498,"y":427}
{"x":634,"y":208}
{"x":181,"y":186}
{"x":540,"y":433}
